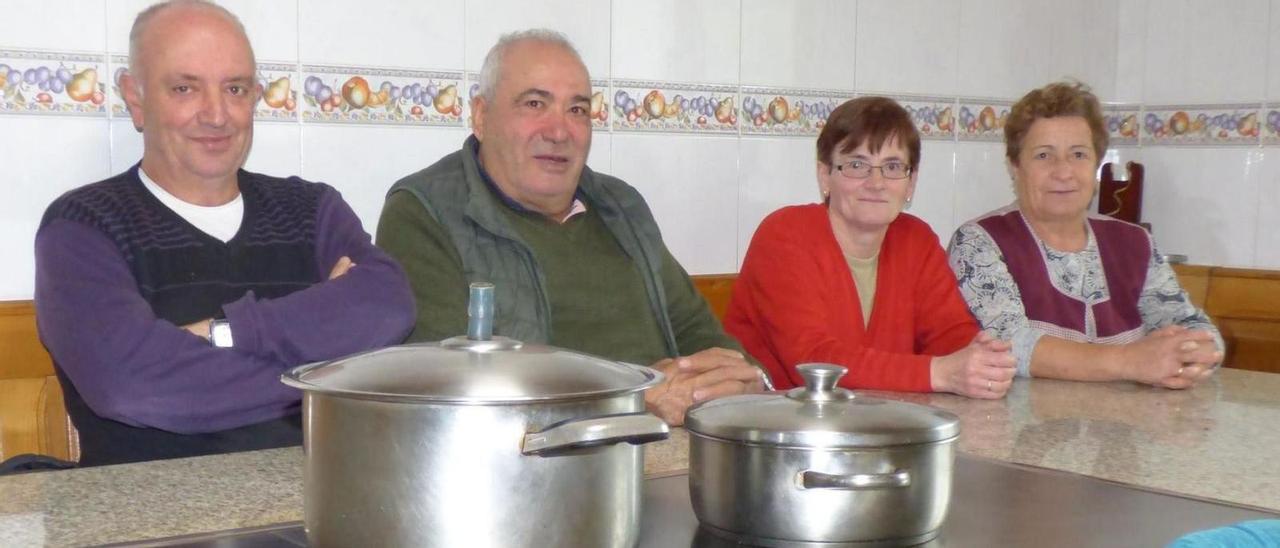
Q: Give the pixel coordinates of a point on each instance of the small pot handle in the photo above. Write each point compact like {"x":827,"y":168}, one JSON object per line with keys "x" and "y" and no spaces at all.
{"x":635,"y":429}
{"x":809,"y":479}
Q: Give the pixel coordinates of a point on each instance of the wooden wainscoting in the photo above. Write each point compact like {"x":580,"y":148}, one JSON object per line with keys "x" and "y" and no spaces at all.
{"x":1245,"y":305}
{"x":716,"y":289}
{"x":33,"y":418}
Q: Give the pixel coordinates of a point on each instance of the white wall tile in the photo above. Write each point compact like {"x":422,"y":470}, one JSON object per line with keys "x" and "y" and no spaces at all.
{"x":688,"y":181}
{"x":1082,"y":41}
{"x":75,"y":25}
{"x":600,"y":158}
{"x":364,"y":161}
{"x":676,"y":40}
{"x":272,"y":26}
{"x":277,"y":149}
{"x":802,"y":43}
{"x":1265,"y":171}
{"x":921,"y":60}
{"x":1003,"y":46}
{"x":775,"y":172}
{"x":1273,"y":53}
{"x":423,"y":34}
{"x":1130,"y":46}
{"x":586,"y":24}
{"x":1202,"y":202}
{"x":44,"y":156}
{"x":982,"y":180}
{"x":126,"y":144}
{"x":935,"y":195}
{"x":1205,"y":51}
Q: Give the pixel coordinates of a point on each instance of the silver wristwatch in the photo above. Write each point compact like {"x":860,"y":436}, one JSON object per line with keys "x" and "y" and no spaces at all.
{"x":220,"y":333}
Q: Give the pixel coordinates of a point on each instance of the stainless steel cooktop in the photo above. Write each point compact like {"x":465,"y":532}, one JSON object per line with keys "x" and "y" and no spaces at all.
{"x":993,"y":504}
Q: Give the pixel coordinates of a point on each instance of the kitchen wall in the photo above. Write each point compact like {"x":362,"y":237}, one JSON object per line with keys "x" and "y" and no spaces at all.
{"x":709,"y":107}
{"x":1208,"y":77}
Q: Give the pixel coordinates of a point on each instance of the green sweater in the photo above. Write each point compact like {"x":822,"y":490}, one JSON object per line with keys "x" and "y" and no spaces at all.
{"x":597,"y":293}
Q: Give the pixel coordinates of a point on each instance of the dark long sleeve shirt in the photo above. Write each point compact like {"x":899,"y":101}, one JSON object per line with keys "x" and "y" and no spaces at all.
{"x":132,"y":366}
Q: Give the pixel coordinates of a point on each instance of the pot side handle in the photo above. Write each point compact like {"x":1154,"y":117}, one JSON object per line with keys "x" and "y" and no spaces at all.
{"x":810,"y":479}
{"x":636,"y":429}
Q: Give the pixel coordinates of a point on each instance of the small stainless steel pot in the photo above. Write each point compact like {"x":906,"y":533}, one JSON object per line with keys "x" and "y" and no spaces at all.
{"x":818,"y":466}
{"x":474,"y":442}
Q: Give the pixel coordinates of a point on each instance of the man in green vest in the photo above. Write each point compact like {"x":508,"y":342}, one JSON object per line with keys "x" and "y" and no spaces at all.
{"x":575,"y":256}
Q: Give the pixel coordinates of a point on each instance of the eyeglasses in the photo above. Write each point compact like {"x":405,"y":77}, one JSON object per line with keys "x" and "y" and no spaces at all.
{"x":859,"y":169}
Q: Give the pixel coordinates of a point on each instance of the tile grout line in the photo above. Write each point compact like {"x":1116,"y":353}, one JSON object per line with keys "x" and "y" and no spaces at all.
{"x":301,"y":85}
{"x":106,"y":64}
{"x":738,"y":252}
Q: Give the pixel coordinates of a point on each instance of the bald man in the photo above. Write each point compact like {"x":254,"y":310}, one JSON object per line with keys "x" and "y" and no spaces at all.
{"x":173,"y":295}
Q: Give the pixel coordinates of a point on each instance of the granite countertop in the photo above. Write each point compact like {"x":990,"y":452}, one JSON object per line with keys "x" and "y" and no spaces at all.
{"x":1217,"y":441}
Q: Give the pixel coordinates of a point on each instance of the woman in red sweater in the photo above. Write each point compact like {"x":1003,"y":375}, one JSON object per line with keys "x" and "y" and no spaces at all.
{"x":855,"y":282}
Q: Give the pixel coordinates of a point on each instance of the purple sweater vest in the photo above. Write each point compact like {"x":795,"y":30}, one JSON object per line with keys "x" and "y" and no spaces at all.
{"x":1125,"y":250}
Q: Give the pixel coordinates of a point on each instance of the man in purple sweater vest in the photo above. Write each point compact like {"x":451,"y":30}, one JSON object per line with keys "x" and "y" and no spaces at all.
{"x":173,"y":295}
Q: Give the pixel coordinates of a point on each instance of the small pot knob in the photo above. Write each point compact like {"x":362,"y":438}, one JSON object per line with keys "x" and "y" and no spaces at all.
{"x":480,"y":312}
{"x":480,"y":336}
{"x":820,"y":383}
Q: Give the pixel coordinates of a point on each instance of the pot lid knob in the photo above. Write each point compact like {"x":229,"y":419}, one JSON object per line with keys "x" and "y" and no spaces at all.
{"x":480,"y":324}
{"x":820,"y":383}
{"x":480,"y":312}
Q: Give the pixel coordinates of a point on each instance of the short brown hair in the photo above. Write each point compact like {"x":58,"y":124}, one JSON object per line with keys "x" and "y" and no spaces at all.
{"x":1053,"y":100}
{"x":870,"y":120}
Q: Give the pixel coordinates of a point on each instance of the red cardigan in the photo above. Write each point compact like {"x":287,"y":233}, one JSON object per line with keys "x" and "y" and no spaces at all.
{"x":795,"y":302}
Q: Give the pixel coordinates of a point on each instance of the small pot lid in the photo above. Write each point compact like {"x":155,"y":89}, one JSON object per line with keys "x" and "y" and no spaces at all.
{"x":820,"y":415}
{"x":459,"y":370}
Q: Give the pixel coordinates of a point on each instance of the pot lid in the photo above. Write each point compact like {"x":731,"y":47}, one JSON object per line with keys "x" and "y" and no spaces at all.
{"x":820,"y":415}
{"x":479,"y":368}
{"x":451,"y":373}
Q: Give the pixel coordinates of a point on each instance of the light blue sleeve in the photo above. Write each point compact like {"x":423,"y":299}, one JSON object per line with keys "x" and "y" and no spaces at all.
{"x":1163,"y":302}
{"x":991,"y":293}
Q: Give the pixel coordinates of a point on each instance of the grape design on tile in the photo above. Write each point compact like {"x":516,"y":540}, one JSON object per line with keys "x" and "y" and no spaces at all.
{"x":1202,"y":125}
{"x":694,"y":111}
{"x":931,"y":119}
{"x":352,"y":97}
{"x":986,"y":120}
{"x":801,"y":113}
{"x":50,"y":87}
{"x":1122,"y":125}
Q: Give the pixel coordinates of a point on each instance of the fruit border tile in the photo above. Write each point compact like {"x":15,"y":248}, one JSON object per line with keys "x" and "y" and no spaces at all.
{"x":279,"y":100}
{"x":1271,"y":129}
{"x":660,"y":106}
{"x":934,"y":117}
{"x":982,"y":119}
{"x":1122,"y":123}
{"x":779,"y":111}
{"x":339,"y":94}
{"x":116,"y":67}
{"x":473,"y":89}
{"x":39,"y":82}
{"x":600,"y":104}
{"x":1201,"y":125}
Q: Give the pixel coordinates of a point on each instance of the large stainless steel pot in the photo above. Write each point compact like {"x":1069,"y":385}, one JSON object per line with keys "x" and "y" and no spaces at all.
{"x":474,"y":442}
{"x":818,"y":466}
